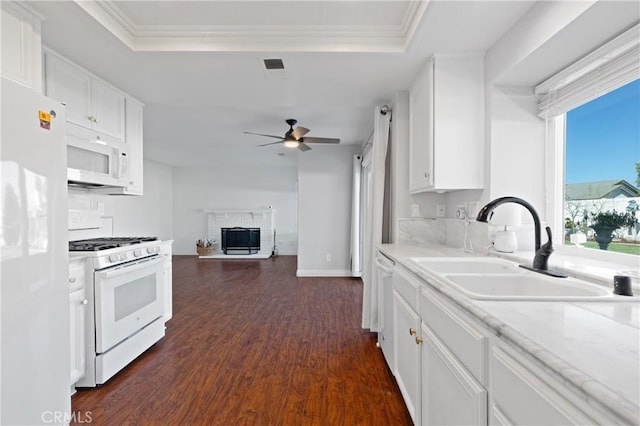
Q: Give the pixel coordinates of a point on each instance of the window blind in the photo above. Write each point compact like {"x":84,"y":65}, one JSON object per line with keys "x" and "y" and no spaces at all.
{"x":608,"y":68}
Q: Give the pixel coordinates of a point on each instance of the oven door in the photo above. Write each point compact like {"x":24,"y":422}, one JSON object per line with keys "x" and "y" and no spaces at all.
{"x":127,"y":298}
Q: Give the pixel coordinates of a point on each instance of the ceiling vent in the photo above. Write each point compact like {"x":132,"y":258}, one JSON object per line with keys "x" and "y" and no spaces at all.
{"x":273,"y":64}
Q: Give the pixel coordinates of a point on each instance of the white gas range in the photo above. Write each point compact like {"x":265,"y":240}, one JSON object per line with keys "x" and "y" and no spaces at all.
{"x":125,"y":302}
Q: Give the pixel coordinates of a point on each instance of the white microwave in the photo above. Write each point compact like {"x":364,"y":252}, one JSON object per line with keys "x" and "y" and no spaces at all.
{"x":95,"y":160}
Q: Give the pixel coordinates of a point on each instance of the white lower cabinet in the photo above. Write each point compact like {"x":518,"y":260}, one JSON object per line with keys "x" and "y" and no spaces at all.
{"x":450,"y":394}
{"x":407,"y":354}
{"x":437,"y":387}
{"x":453,"y":370}
{"x":167,"y":273}
{"x":520,"y":397}
{"x":384,"y":271}
{"x":77,"y":312}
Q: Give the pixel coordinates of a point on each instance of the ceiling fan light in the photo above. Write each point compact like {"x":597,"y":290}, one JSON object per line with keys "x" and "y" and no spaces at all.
{"x":291,"y":144}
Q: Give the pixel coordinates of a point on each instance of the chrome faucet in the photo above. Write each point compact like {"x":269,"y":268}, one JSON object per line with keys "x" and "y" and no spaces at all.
{"x":541,"y":258}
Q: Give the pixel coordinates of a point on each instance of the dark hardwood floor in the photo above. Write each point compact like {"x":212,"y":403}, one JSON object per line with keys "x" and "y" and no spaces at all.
{"x":251,"y":344}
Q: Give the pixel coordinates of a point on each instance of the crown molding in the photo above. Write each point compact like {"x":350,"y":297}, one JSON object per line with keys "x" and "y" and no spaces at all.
{"x":267,"y":38}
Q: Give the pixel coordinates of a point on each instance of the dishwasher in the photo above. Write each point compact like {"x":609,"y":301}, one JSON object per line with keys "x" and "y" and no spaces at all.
{"x":384,"y":269}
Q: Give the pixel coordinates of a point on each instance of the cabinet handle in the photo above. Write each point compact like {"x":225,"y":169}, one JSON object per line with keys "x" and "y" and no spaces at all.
{"x":419,"y":340}
{"x":72,"y":279}
{"x":412,"y":331}
{"x":92,"y":119}
{"x":84,"y":302}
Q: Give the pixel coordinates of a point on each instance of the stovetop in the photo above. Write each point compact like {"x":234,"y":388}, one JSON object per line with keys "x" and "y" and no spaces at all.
{"x":97,"y":244}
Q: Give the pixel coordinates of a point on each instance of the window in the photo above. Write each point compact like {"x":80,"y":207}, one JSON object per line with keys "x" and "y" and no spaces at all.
{"x":602,"y":154}
{"x":592,"y":111}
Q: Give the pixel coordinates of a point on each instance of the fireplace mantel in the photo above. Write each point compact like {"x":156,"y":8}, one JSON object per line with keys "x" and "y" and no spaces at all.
{"x":247,"y":218}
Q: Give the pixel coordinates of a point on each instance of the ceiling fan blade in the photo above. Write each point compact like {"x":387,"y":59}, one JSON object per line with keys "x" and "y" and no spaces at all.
{"x":272,"y":143}
{"x":303,"y":147}
{"x":320,"y":140}
{"x":262,"y":134}
{"x":299,"y":132}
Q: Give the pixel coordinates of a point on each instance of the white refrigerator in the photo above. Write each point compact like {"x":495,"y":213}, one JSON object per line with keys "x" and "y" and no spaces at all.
{"x":34,"y":290}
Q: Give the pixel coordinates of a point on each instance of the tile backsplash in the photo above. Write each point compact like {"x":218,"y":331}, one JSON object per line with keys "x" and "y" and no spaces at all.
{"x":447,"y":231}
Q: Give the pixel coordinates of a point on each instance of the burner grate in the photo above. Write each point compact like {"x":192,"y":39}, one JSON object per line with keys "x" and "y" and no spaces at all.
{"x":97,"y":244}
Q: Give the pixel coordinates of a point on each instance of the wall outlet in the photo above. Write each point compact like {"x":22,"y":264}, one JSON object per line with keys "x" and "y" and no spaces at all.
{"x":328,"y":257}
{"x":441,"y":210}
{"x":415,"y":210}
{"x":461,"y":212}
{"x":100,"y":208}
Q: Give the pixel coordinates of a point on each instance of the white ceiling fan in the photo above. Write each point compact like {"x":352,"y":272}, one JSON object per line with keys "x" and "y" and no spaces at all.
{"x":295,"y":138}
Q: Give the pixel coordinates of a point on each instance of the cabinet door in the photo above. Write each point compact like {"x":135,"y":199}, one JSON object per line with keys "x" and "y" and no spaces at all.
{"x":450,"y":394}
{"x":107,"y":109}
{"x":77,"y":309}
{"x":407,"y":354}
{"x":458,"y":100}
{"x":386,"y":318}
{"x":70,"y":85}
{"x":421,"y":131}
{"x":519,"y":397}
{"x":133,"y":138}
{"x":21,"y":57}
{"x":167,"y":271}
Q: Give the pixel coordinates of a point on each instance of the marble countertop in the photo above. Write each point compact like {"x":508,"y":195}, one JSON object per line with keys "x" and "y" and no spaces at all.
{"x":594,"y":347}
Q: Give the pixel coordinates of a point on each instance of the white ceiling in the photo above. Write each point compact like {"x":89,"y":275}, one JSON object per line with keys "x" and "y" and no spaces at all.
{"x":197,"y":65}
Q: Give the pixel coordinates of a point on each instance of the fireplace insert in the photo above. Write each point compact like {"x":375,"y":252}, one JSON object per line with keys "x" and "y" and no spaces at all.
{"x":240,"y":240}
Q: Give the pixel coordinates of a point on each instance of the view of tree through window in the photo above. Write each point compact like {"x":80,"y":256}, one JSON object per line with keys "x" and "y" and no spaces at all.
{"x":602,"y":172}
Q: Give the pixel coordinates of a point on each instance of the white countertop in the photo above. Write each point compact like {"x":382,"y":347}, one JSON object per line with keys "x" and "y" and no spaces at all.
{"x":592,"y":346}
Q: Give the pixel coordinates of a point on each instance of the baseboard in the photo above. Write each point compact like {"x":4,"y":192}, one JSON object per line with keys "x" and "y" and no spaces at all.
{"x":237,"y":256}
{"x":323,"y":273}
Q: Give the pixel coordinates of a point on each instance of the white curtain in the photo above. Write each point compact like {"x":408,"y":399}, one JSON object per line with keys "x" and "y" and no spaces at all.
{"x":374,"y":219}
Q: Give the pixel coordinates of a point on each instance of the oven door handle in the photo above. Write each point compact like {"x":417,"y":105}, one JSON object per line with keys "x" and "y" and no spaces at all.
{"x":130,"y":267}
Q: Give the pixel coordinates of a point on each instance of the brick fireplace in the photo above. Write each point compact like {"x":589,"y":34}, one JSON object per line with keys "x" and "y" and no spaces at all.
{"x":244,"y":218}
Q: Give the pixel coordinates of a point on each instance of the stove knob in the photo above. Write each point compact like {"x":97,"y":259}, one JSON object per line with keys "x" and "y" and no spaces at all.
{"x":151,"y":250}
{"x":123,"y":256}
{"x":114,"y":258}
{"x":137,"y":253}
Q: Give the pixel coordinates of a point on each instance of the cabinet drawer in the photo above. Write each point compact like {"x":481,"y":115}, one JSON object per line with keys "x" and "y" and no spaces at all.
{"x":519,"y":397}
{"x":407,"y":286}
{"x":76,"y":275}
{"x":466,"y":341}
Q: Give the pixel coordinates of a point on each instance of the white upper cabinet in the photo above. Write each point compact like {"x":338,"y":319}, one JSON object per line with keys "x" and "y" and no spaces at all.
{"x":96,"y":105}
{"x":133,"y":137}
{"x":134,"y":140}
{"x":446,"y":124}
{"x":421,"y":131}
{"x":91,"y":102}
{"x":21,"y":43}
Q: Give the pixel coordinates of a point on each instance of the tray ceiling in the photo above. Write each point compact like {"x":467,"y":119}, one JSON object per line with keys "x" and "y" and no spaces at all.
{"x":285,"y":26}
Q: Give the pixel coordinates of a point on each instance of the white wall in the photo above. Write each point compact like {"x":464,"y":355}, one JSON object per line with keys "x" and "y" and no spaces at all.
{"x":199,"y":189}
{"x":325,"y":177}
{"x":148,"y":215}
{"x":514,"y":135}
